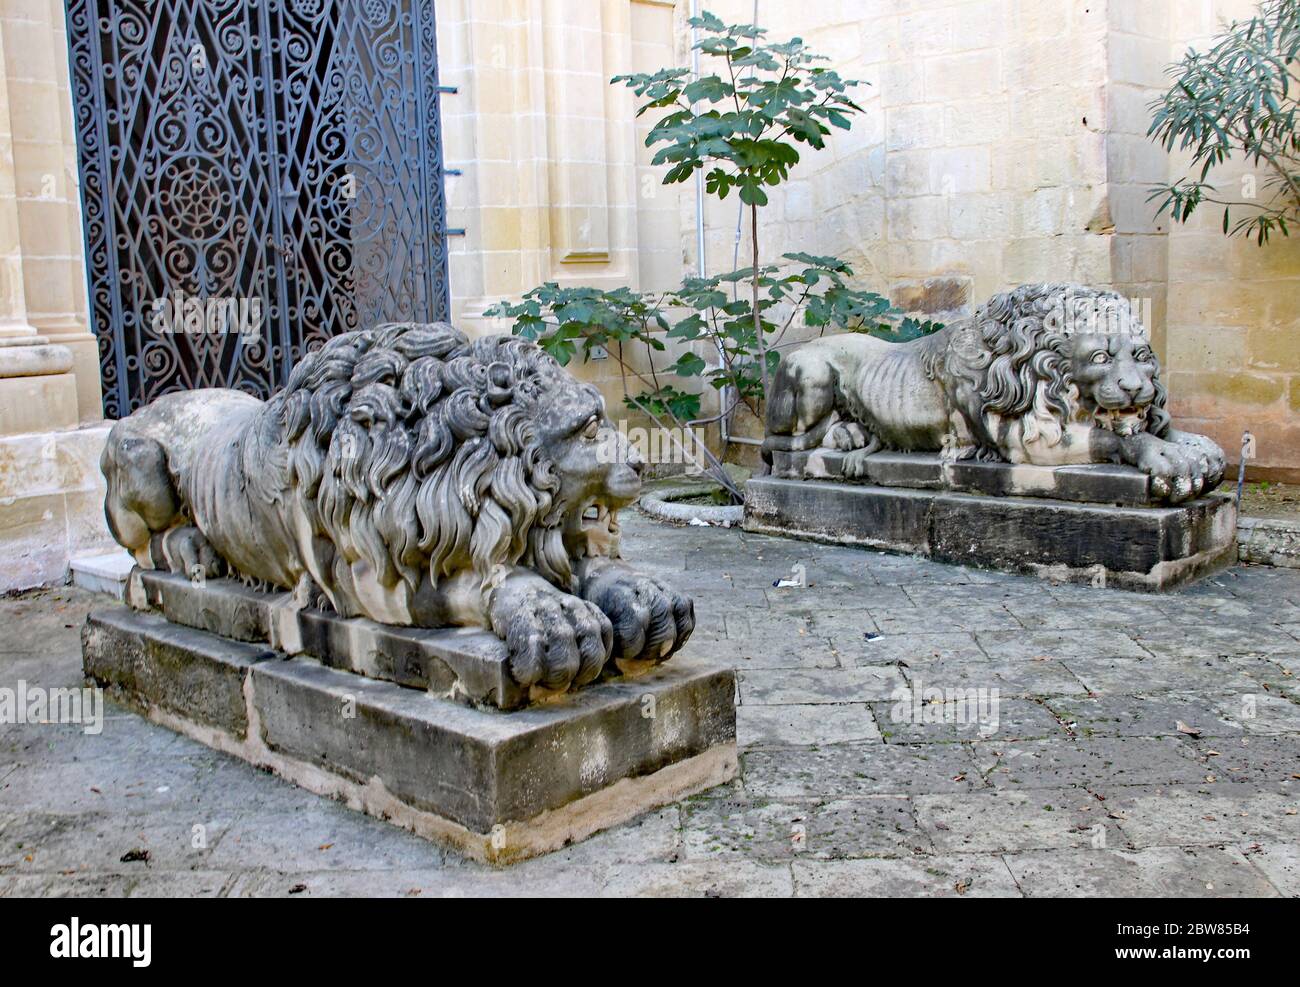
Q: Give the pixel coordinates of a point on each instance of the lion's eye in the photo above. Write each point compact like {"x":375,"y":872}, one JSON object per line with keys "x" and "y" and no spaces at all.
{"x":592,"y":429}
{"x":1142,"y":356}
{"x":1101,"y":356}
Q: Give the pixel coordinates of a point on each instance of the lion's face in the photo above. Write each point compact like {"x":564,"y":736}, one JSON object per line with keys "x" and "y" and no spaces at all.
{"x":594,"y":463}
{"x":1115,"y":374}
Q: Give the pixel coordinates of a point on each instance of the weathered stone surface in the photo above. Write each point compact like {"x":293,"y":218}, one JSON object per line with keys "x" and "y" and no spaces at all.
{"x":1010,"y":820}
{"x":1098,"y":483}
{"x":1092,"y":763}
{"x":1156,"y":872}
{"x":958,"y":875}
{"x":804,"y":725}
{"x":1269,"y":541}
{"x":1152,"y":548}
{"x":790,"y":830}
{"x":148,"y":660}
{"x":460,"y":663}
{"x":1046,"y":374}
{"x":498,"y":786}
{"x":287,"y":493}
{"x":481,"y":769}
{"x":138,"y":784}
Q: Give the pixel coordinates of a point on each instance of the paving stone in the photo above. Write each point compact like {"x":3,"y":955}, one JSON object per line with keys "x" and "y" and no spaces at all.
{"x":406,"y":883}
{"x":964,"y":875}
{"x":1011,"y":820}
{"x":98,"y":842}
{"x":1278,"y":862}
{"x":1146,"y":716}
{"x":1156,"y":872}
{"x":854,"y":649}
{"x":1012,"y":719}
{"x":1010,"y":676}
{"x":776,"y":630}
{"x":795,"y":830}
{"x":854,"y":770}
{"x":1208,"y":648}
{"x":1208,"y":815}
{"x":1214,"y":640}
{"x":1108,"y":609}
{"x":1097,"y":762}
{"x":796,"y":726}
{"x":1130,"y":676}
{"x":909,"y":570}
{"x":1035,"y":645}
{"x":262,"y":840}
{"x":821,"y":599}
{"x":66,"y":885}
{"x":700,"y":879}
{"x":1256,"y":761}
{"x":193,"y":785}
{"x":759,"y":687}
{"x":123,"y":734}
{"x":1015,"y":592}
{"x":754,"y":652}
{"x":1204,"y":609}
{"x":974,"y":617}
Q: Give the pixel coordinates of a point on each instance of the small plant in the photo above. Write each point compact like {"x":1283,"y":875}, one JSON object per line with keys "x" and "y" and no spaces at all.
{"x":1238,"y":98}
{"x":742,"y":127}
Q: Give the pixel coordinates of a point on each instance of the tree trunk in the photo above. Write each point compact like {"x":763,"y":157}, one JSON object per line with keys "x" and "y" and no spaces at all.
{"x":758,"y":315}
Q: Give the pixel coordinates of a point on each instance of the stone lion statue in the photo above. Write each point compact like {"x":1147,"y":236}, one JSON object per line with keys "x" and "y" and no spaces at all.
{"x":408,"y":475}
{"x":1047,"y":374}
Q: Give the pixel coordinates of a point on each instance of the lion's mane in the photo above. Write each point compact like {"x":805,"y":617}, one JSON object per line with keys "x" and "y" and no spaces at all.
{"x":1011,"y":360}
{"x":411,"y":450}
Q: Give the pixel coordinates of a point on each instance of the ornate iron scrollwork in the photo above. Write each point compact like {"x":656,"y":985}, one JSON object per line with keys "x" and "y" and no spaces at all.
{"x":283,"y":151}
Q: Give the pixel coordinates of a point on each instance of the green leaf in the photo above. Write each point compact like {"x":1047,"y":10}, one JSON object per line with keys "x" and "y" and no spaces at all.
{"x":689,"y":365}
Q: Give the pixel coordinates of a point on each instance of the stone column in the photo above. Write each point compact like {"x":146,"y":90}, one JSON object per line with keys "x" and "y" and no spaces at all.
{"x":36,"y":389}
{"x":40,"y":218}
{"x":51,"y":429}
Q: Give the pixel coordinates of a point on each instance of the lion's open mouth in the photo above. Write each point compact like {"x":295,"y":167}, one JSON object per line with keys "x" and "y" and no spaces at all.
{"x":1122,"y":421}
{"x":598,"y":526}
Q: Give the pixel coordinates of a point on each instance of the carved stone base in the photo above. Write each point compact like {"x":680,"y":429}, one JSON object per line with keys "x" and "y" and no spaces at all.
{"x":1140,"y":548}
{"x":500,"y":787}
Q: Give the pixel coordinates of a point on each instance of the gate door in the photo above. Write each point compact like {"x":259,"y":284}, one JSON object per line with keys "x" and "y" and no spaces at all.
{"x":257,"y":176}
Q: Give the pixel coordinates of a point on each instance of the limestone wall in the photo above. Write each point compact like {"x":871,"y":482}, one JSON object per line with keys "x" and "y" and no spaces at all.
{"x":51,"y":429}
{"x":556,"y":183}
{"x":1004,"y":142}
{"x":1233,"y":350}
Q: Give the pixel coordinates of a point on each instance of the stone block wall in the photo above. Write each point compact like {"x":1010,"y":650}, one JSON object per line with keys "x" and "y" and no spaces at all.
{"x":1005,"y":142}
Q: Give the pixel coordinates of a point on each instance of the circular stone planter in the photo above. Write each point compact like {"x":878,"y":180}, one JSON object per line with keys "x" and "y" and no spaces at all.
{"x":662,"y":504}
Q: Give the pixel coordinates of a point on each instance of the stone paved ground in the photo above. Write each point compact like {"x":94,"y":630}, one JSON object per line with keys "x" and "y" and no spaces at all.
{"x":1088,"y":785}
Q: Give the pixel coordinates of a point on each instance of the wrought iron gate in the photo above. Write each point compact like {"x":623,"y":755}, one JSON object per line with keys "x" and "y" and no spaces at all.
{"x":257,"y":176}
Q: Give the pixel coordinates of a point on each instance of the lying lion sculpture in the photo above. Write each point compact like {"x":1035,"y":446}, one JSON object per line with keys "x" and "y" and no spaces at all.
{"x":411,"y":476}
{"x":1047,"y":374}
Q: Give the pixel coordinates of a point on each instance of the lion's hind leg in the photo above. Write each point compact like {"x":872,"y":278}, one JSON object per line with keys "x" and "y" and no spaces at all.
{"x":801,"y":409}
{"x":183,"y":549}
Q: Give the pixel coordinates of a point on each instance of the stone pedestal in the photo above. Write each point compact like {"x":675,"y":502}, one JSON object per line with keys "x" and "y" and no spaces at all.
{"x":1093,"y":524}
{"x":408,"y":724}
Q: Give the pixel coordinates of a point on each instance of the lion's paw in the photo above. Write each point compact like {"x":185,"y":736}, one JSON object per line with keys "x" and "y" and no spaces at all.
{"x":555,"y":640}
{"x":651,"y":620}
{"x":847,"y":436}
{"x":1178,"y":473}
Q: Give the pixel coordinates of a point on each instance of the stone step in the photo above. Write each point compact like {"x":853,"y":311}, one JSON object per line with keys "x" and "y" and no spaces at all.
{"x":1139,"y":548}
{"x":1096,"y":483}
{"x":497,"y":786}
{"x":102,"y":573}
